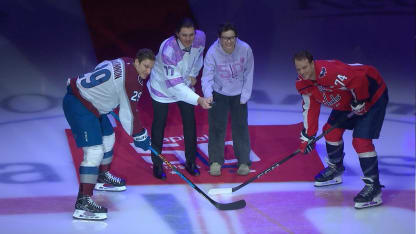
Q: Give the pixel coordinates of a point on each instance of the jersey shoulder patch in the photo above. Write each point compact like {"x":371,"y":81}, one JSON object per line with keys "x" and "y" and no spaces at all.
{"x":322,"y":73}
{"x":199,"y":40}
{"x":171,"y":52}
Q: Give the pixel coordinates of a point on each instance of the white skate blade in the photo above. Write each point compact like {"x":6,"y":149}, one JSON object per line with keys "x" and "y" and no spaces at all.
{"x":336,"y":180}
{"x":375,"y":202}
{"x":82,"y":214}
{"x":108,"y":187}
{"x":217,"y":191}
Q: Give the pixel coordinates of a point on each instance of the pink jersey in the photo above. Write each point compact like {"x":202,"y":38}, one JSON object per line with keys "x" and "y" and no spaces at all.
{"x":338,"y":84}
{"x":170,"y":78}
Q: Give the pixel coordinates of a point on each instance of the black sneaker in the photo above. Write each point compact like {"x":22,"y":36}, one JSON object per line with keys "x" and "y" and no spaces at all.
{"x":159,"y":172}
{"x":108,"y":182}
{"x":192,"y":169}
{"x":330,"y":175}
{"x":370,"y":195}
{"x":86,"y":208}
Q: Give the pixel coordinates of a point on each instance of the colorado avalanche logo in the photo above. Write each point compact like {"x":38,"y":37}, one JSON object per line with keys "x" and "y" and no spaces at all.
{"x":322,"y":73}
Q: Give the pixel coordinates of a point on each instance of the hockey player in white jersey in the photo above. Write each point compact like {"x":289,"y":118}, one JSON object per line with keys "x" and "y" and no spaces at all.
{"x":177,"y":65}
{"x":89,"y":98}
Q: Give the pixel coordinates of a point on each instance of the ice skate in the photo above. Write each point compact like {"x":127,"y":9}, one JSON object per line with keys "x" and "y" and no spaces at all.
{"x":108,"y":182}
{"x":329,"y":176}
{"x":370,"y":195}
{"x":87,"y":209}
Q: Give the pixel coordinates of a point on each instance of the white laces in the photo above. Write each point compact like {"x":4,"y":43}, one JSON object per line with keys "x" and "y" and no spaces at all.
{"x":92,"y":202}
{"x":112,"y":178}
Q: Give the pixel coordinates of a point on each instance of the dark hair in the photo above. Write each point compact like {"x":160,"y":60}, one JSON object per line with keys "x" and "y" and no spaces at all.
{"x":184,"y":23}
{"x":303,"y":54}
{"x":144,"y":54}
{"x":226,"y":27}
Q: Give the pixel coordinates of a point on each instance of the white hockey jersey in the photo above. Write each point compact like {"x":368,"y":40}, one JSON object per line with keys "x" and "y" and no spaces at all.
{"x":111,"y":84}
{"x":169,"y":80}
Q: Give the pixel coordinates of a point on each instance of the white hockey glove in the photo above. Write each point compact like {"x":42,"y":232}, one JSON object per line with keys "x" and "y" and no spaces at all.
{"x":359,"y":107}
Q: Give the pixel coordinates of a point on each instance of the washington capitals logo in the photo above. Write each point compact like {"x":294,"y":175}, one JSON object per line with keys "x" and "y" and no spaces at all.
{"x":322,"y":73}
{"x":333,"y":101}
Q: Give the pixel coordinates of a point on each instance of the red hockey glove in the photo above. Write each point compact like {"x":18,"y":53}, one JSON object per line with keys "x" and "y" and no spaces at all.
{"x":306,"y":144}
{"x":359,"y":107}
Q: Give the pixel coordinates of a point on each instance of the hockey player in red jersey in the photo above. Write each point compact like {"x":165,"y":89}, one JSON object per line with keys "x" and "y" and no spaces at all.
{"x":89,"y":98}
{"x":345,"y":88}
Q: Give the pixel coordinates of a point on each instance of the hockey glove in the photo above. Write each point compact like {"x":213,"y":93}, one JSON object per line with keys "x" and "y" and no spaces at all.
{"x":359,"y":107}
{"x":142,"y":140}
{"x":305,"y":142}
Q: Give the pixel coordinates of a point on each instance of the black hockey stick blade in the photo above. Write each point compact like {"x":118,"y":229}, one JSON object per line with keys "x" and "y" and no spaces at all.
{"x":231,"y":206}
{"x":221,"y":206}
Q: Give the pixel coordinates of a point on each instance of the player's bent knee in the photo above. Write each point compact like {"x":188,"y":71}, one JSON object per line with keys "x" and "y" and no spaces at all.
{"x":92,"y":155}
{"x":362,"y":145}
{"x":108,"y":142}
{"x":335,"y":135}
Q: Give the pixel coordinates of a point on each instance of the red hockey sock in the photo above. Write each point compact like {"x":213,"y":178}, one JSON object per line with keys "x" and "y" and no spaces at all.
{"x":86,"y":189}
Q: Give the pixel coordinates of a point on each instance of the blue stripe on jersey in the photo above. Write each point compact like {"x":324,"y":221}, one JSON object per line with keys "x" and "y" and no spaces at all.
{"x":88,"y":170}
{"x":108,"y":154}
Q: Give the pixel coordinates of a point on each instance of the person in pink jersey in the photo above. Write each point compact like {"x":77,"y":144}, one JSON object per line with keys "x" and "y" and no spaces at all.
{"x":172,"y":80}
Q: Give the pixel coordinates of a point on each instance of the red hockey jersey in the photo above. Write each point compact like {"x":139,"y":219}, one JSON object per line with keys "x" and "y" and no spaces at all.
{"x":337,"y":85}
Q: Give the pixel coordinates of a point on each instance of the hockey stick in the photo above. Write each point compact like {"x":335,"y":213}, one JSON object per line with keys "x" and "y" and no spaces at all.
{"x":227,"y":206}
{"x":231,"y":190}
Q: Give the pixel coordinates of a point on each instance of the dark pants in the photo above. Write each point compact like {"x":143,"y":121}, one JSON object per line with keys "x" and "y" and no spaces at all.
{"x":218,"y":119}
{"x":160,"y":114}
{"x":367,"y":126}
{"x":87,"y":129}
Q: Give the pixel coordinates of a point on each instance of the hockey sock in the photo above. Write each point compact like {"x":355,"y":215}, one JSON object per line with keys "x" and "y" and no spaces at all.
{"x":104,"y":168}
{"x":86,"y":189}
{"x":369,"y":166}
{"x":335,"y":153}
{"x":368,"y":157}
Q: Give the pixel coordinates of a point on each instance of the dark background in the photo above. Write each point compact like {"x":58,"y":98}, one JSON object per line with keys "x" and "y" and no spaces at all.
{"x":376,"y":32}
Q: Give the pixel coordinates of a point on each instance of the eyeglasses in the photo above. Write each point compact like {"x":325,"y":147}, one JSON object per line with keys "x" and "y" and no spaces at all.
{"x":228,"y":38}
